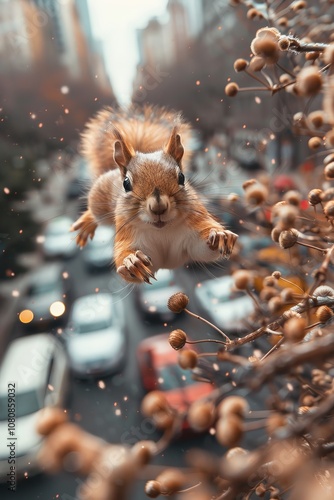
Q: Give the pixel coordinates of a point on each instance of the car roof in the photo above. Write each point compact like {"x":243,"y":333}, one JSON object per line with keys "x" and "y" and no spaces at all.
{"x":49,"y":272}
{"x":26,"y":360}
{"x":98,"y":303}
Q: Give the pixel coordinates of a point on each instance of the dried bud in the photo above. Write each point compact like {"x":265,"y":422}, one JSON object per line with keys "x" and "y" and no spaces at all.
{"x":256,"y":194}
{"x":231,"y":89}
{"x":177,"y":339}
{"x":201,"y":415}
{"x":314,"y":196}
{"x":287,"y":216}
{"x":316,"y":118}
{"x":152,"y":489}
{"x":257,"y":63}
{"x":153,"y":402}
{"x":269,"y":281}
{"x":329,"y":208}
{"x":242,"y":279}
{"x":323,"y":291}
{"x":284,"y":42}
{"x":324,"y":314}
{"x":309,"y":81}
{"x":329,"y":139}
{"x":288,"y":238}
{"x":299,"y":5}
{"x":253,"y":13}
{"x":294,"y":329}
{"x":283,"y":22}
{"x":178,"y":302}
{"x":240,"y":65}
{"x":266,"y":47}
{"x":229,"y":430}
{"x":314,"y":143}
{"x":236,"y":405}
{"x":277,"y":275}
{"x":267,"y":293}
{"x":274,"y":304}
{"x":329,"y":171}
{"x":292,"y":197}
{"x":171,"y":481}
{"x":188,"y":359}
{"x":287,"y":295}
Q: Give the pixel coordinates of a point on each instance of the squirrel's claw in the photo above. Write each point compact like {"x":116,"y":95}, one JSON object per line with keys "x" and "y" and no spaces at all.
{"x":223,"y":241}
{"x":135,"y":268}
{"x":86,"y":226}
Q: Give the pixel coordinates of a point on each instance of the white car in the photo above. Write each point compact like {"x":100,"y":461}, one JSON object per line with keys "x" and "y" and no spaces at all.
{"x":58,"y":241}
{"x":152,"y":298}
{"x":33,"y":376}
{"x":99,"y":252}
{"x":226,"y":307}
{"x":95,"y":338}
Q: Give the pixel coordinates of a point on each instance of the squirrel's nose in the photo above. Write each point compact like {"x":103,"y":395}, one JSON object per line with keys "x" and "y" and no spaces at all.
{"x":158,"y":208}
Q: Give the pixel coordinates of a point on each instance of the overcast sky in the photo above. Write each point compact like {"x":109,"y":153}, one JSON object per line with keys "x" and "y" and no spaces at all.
{"x":115,"y":22}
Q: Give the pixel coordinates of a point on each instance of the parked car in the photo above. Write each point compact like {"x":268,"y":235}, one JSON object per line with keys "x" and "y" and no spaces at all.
{"x":152,"y":299}
{"x":33,"y":376}
{"x":99,"y":252}
{"x":160,"y":370}
{"x":58,"y":240}
{"x":95,"y":337}
{"x":226,"y":307}
{"x":47,"y":297}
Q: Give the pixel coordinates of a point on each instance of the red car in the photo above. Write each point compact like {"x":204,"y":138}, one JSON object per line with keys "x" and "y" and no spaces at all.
{"x":160,"y":371}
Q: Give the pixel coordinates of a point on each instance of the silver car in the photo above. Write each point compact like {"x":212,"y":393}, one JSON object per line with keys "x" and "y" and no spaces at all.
{"x":226,"y":307}
{"x":95,"y":336}
{"x":99,"y":252}
{"x":33,"y":376}
{"x":58,"y":241}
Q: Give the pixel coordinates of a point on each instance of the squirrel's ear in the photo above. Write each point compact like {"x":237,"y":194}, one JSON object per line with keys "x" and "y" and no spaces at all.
{"x":174,"y":146}
{"x":122,"y":154}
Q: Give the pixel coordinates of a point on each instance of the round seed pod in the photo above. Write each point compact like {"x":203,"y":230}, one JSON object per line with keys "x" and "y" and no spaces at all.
{"x":309,"y":81}
{"x":152,"y":489}
{"x":143,"y":451}
{"x":315,"y":196}
{"x":236,"y":405}
{"x":287,"y":294}
{"x":257,"y":63}
{"x":285,"y":78}
{"x":171,"y":480}
{"x":283,"y":22}
{"x":266,"y":47}
{"x":316,"y":118}
{"x":287,"y":216}
{"x":178,"y":302}
{"x":329,"y":208}
{"x":240,"y":65}
{"x":229,"y":430}
{"x":288,"y":238}
{"x":256,"y":194}
{"x":267,"y":293}
{"x":301,"y":4}
{"x":231,"y":89}
{"x":188,"y":359}
{"x":294,"y":329}
{"x":153,"y":402}
{"x":275,"y":233}
{"x":284,"y":43}
{"x":274,"y":304}
{"x":201,"y":415}
{"x":328,"y":159}
{"x":277,"y":275}
{"x":324,"y":313}
{"x":177,"y":339}
{"x":328,"y":195}
{"x":292,"y":197}
{"x":329,"y":171}
{"x":269,"y":281}
{"x":314,"y":142}
{"x":242,"y":279}
{"x":248,"y":183}
{"x":329,"y":139}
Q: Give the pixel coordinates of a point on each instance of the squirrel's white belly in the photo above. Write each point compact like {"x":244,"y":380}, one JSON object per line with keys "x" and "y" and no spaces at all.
{"x":167,"y":247}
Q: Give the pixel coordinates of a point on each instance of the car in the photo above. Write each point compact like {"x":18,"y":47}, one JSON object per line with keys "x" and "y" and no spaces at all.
{"x":99,"y":252}
{"x":226,"y":307}
{"x":47,"y":297}
{"x":33,"y":376}
{"x":159,"y":370}
{"x":58,"y":241}
{"x":95,"y":336}
{"x":152,"y":298}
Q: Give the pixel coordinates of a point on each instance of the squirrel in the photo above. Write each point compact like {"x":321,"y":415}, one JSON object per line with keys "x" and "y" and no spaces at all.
{"x":138,"y":160}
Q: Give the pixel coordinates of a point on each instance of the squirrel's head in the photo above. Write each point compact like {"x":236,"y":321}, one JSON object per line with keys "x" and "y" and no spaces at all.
{"x":153,"y":182}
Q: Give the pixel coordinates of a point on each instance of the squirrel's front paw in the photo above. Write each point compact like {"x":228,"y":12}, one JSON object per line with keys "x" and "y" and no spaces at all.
{"x":86,"y":226}
{"x":223,"y":241}
{"x":135,"y":268}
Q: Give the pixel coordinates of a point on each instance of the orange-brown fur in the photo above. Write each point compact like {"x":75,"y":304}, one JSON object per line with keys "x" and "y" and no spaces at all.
{"x":138,"y":160}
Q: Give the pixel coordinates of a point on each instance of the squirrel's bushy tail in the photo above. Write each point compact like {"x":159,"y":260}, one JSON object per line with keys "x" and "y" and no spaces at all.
{"x":146,"y":129}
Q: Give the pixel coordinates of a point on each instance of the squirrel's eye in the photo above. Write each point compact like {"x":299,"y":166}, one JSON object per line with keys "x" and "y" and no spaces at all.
{"x":181,"y":179}
{"x":127,"y":184}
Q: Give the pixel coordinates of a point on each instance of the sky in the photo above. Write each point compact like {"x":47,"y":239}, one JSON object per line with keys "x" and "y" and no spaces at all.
{"x":115,"y":23}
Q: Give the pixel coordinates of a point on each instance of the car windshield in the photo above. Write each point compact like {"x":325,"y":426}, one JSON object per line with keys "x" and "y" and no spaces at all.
{"x":92,"y":326}
{"x":173,"y":377}
{"x":42,"y":288}
{"x":26,"y":403}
